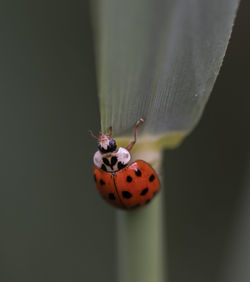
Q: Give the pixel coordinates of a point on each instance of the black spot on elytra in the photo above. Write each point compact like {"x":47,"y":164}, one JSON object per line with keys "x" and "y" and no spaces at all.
{"x":151,"y":178}
{"x":144,"y":191}
{"x":104,"y":167}
{"x":129,"y":178}
{"x":135,"y":206}
{"x":94,"y":177}
{"x":102,"y":182}
{"x":137,"y":172}
{"x":147,"y":201}
{"x":120,"y":165}
{"x":126,"y":194}
{"x":111,"y":196}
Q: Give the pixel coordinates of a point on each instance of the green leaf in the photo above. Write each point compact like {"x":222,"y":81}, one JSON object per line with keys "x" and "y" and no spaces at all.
{"x":159,"y":59}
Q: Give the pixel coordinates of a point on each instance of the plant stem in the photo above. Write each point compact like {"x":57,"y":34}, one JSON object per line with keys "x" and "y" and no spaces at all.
{"x":140,"y":236}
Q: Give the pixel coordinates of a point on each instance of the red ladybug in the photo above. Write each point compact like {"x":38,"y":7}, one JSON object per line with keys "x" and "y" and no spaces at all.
{"x":123,"y":185}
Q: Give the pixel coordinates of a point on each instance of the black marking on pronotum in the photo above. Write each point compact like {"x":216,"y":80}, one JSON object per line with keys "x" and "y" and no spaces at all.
{"x":144,"y":191}
{"x":151,"y":178}
{"x":129,"y":178}
{"x":120,"y":165}
{"x":137,"y":172}
{"x":102,"y":182}
{"x":126,"y":194}
{"x":112,"y":162}
{"x":111,"y":196}
{"x":106,"y":161}
{"x":104,"y":167}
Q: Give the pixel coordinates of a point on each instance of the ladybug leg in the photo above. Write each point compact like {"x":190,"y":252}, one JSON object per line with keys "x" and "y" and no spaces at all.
{"x":131,"y":144}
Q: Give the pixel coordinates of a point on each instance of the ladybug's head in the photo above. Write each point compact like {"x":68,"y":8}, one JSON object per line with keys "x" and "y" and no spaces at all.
{"x":105,"y":143}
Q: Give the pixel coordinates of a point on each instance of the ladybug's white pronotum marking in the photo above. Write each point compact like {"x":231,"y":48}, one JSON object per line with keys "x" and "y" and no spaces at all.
{"x":112,"y":161}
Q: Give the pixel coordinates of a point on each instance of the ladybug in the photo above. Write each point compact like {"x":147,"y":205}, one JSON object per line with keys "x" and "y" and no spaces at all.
{"x":123,"y":185}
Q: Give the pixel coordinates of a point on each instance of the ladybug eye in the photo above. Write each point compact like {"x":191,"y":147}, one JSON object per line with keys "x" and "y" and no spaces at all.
{"x":112,"y":145}
{"x":100,"y":147}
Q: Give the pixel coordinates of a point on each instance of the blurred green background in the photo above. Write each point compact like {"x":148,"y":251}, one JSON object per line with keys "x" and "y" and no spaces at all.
{"x":54,"y":226}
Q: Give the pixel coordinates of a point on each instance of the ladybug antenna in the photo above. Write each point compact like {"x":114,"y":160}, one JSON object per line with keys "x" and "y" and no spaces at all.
{"x":92,"y":134}
{"x":110,"y":131}
{"x":131,"y":144}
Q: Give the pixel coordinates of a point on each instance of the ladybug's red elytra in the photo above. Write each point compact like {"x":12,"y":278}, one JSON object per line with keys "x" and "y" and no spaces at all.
{"x":123,"y":185}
